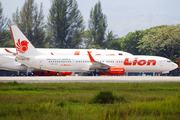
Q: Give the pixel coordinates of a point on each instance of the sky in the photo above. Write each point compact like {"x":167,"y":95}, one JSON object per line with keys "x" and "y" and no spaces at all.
{"x":123,"y":16}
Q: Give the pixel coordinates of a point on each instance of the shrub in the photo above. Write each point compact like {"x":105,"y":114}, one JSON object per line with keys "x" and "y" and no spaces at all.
{"x":14,"y":83}
{"x":62,"y":104}
{"x":104,"y":97}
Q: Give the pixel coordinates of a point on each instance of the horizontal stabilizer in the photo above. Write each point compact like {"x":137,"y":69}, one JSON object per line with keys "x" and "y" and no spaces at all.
{"x":20,"y":57}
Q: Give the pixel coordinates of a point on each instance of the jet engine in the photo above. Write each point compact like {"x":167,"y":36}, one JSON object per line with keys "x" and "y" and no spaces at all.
{"x":112,"y":71}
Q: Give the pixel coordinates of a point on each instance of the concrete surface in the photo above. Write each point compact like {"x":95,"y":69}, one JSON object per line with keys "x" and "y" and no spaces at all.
{"x":90,"y":79}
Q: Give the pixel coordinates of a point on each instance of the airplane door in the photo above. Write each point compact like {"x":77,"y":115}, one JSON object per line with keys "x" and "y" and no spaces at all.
{"x":161,"y":63}
{"x":41,"y":63}
{"x":72,"y":62}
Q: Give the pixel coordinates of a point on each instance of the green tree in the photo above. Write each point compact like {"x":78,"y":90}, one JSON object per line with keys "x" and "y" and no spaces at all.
{"x":31,"y":22}
{"x":130,"y":42}
{"x":110,"y":36}
{"x":86,"y":38}
{"x":163,"y":40}
{"x":114,"y":44}
{"x":3,"y":20}
{"x":111,"y":40}
{"x":97,"y":24}
{"x":5,"y":34}
{"x":6,"y":39}
{"x":66,"y":24}
{"x":87,"y":41}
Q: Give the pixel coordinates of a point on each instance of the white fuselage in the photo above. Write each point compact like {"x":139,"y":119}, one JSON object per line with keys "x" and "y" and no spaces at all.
{"x":83,"y":64}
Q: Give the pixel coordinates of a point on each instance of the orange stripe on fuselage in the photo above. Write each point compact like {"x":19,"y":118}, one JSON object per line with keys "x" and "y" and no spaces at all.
{"x":110,"y":54}
{"x":77,"y":53}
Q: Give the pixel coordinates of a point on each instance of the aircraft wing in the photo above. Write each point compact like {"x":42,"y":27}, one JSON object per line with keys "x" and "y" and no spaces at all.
{"x":96,"y":64}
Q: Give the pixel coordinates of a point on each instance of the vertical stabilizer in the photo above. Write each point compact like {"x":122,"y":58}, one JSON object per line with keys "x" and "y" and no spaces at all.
{"x":22,"y":44}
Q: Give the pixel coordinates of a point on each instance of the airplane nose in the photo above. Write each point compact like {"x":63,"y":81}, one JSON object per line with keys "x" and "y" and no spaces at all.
{"x":174,"y":65}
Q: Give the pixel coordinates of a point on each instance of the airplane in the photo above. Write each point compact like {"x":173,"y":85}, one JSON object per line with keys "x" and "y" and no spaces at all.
{"x":7,"y":62}
{"x":110,"y":65}
{"x":7,"y":59}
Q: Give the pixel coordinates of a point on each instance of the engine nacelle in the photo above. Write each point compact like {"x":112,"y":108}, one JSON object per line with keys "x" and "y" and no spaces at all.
{"x":113,"y":71}
{"x":65,"y":73}
{"x":116,"y":71}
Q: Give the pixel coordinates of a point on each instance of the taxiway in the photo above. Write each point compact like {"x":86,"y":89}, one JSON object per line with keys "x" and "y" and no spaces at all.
{"x":90,"y":79}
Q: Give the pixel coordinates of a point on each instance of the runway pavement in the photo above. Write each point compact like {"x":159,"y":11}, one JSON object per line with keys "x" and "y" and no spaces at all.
{"x":90,"y":79}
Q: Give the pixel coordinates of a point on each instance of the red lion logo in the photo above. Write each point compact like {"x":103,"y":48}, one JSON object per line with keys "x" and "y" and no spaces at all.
{"x":22,"y":46}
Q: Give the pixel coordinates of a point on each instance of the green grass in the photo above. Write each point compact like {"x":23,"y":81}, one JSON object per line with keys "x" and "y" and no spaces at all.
{"x":141,"y":101}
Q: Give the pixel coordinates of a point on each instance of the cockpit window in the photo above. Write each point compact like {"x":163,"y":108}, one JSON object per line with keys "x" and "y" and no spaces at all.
{"x":120,"y":54}
{"x":168,"y":61}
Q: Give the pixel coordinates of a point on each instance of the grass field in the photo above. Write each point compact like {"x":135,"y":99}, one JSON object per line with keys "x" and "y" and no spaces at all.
{"x":160,"y":101}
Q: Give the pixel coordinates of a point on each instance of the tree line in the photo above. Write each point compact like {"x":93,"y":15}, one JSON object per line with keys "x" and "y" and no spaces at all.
{"x":159,"y":41}
{"x":65,"y":29}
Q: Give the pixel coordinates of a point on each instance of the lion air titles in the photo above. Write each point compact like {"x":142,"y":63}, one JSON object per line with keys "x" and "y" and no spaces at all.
{"x":139,"y":62}
{"x":22,"y":46}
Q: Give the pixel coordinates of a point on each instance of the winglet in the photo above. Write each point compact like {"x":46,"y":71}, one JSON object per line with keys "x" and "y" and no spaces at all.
{"x":90,"y":57}
{"x":10,"y":52}
{"x":17,"y":56}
